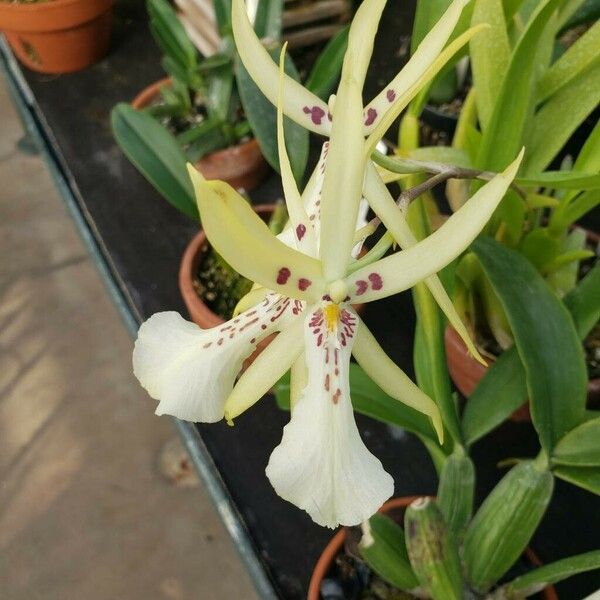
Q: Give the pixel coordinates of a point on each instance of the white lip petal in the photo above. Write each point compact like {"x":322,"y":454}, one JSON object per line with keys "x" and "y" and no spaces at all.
{"x":321,"y":464}
{"x":190,"y":370}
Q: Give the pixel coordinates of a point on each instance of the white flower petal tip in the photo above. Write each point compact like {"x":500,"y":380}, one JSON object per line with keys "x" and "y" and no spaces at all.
{"x":191,"y":371}
{"x":321,"y":464}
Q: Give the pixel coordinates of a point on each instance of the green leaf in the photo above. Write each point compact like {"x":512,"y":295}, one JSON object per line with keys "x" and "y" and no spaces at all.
{"x":503,"y":389}
{"x":223,"y":16}
{"x":219,"y":92}
{"x":262,"y":116}
{"x":383,"y":548}
{"x":503,"y":136}
{"x":561,"y":180}
{"x":581,"y":55}
{"x":564,"y":279}
{"x":325,"y":73}
{"x":455,"y":492}
{"x":170,"y":34}
{"x":538,"y":579}
{"x":559,"y":117}
{"x":505,"y":523}
{"x":490,"y":54}
{"x":539,"y":247}
{"x":368,"y":399}
{"x":580,"y":447}
{"x":156,"y":154}
{"x":267,"y":23}
{"x":577,"y":208}
{"x":586,"y":11}
{"x":545,"y":338}
{"x":583,"y":302}
{"x":587,"y":478}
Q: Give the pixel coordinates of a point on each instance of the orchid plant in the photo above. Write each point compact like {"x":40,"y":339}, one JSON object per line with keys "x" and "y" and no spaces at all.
{"x":307,"y":279}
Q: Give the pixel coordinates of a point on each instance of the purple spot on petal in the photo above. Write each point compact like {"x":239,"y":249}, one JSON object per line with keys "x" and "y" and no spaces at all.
{"x":376,"y":281}
{"x":304,"y":284}
{"x":300,"y":231}
{"x":371,"y":116}
{"x":390,"y":95}
{"x":361,"y":287}
{"x":283,"y":275}
{"x":316,"y":113}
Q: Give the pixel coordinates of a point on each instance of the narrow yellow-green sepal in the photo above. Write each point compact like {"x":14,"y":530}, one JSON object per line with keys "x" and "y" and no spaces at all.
{"x":402,"y":270}
{"x":392,"y":379}
{"x":423,"y":58}
{"x":246,"y":243}
{"x":382,"y":203}
{"x":384,"y":122}
{"x":300,"y":105}
{"x":304,"y":236}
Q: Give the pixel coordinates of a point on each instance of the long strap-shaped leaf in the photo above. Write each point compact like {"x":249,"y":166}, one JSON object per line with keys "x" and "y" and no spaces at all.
{"x":536,"y":580}
{"x":505,"y":379}
{"x":545,"y":337}
{"x":503,"y":135}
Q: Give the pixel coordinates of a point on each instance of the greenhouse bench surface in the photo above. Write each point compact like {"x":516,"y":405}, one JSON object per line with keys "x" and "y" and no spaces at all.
{"x":137,"y":240}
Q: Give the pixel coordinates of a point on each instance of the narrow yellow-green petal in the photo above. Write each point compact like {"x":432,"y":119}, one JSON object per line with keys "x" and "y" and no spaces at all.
{"x":424,"y":57}
{"x":402,"y":270}
{"x":270,"y":365}
{"x":246,"y":243}
{"x":303,"y":232}
{"x":344,"y":170}
{"x":381,"y":201}
{"x":300,"y":105}
{"x":385,"y":121}
{"x":392,"y":379}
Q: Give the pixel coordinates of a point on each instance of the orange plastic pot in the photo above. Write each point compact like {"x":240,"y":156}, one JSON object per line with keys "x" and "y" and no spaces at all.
{"x":336,"y":545}
{"x":241,"y":166}
{"x":57,"y":36}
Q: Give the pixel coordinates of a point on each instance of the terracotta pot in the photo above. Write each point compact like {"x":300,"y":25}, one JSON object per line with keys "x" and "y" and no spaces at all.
{"x":58,"y":36}
{"x":336,"y":546}
{"x":241,"y":166}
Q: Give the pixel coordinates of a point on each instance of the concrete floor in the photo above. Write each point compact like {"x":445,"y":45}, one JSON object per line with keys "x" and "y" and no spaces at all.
{"x":85,"y":513}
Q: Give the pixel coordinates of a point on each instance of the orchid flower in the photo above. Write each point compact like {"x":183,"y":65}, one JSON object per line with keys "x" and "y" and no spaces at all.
{"x":307,"y":281}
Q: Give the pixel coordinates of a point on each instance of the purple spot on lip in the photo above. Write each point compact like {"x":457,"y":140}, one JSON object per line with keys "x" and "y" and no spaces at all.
{"x":300,"y":231}
{"x":316,"y":114}
{"x":391,"y":95}
{"x":371,"y":116}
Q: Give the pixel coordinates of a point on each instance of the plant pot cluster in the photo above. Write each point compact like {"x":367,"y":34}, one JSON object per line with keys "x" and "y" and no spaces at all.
{"x":241,"y":166}
{"x":57,"y":36}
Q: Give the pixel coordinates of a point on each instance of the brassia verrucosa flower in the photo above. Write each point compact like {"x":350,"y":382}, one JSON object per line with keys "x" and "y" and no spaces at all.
{"x":307,"y":280}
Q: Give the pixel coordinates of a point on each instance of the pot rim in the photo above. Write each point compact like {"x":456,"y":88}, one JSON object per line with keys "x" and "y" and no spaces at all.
{"x":43,"y":17}
{"x":337,"y":541}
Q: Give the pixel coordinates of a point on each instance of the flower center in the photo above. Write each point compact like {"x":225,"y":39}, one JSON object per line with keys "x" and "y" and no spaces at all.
{"x":331,"y":312}
{"x":338,"y":291}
